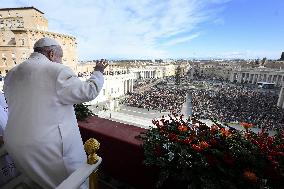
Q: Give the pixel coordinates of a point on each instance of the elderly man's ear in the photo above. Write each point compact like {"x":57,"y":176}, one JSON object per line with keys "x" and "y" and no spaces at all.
{"x":51,"y":55}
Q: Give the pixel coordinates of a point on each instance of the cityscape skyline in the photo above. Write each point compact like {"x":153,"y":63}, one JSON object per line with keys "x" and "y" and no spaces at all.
{"x":109,"y":29}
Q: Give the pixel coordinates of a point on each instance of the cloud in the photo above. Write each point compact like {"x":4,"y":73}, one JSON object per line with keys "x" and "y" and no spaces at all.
{"x":219,"y":21}
{"x":247,"y":54}
{"x":125,"y":28}
{"x":179,"y":40}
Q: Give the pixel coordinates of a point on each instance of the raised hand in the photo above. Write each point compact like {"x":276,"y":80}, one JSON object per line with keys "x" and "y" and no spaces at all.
{"x":101,"y":65}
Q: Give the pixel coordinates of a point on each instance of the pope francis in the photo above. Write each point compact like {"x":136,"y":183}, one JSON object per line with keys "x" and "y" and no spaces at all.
{"x":42,"y":134}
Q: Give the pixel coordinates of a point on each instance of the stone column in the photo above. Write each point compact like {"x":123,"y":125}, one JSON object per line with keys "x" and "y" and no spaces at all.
{"x":265,"y":78}
{"x":247,"y":77}
{"x":125,"y":87}
{"x":132,"y":82}
{"x":250,"y":78}
{"x":259,"y":78}
{"x":274,"y":78}
{"x":254,"y":78}
{"x":239,"y":80}
{"x":243,"y":77}
{"x":279,"y":80}
{"x":281,"y":98}
{"x":268,"y":78}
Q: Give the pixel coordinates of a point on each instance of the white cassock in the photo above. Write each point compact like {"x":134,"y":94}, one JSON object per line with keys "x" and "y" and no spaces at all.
{"x":42,"y":134}
{"x":3,"y":114}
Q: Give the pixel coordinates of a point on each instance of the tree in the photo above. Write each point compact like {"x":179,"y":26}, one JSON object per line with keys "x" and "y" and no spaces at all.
{"x":257,"y":61}
{"x":282,"y":56}
{"x":177,"y":75}
{"x":263,"y":61}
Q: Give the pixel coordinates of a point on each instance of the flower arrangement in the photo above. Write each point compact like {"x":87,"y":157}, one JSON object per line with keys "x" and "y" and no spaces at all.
{"x":192,"y":155}
{"x":82,"y":112}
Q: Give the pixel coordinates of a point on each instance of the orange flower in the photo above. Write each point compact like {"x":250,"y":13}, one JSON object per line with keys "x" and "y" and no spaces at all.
{"x":250,"y":176}
{"x":196,"y":148}
{"x":226,"y":133}
{"x":214,"y":128}
{"x":246,"y":125}
{"x":203,"y":145}
{"x":200,"y":147}
{"x":182,"y":128}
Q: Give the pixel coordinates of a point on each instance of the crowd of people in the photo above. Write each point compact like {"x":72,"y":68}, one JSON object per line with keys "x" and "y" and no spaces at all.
{"x":142,"y":83}
{"x":224,"y":102}
{"x":159,"y":97}
{"x":239,"y":104}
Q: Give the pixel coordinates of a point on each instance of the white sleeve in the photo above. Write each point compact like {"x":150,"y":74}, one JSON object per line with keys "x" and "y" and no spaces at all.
{"x":71,"y":90}
{"x":3,"y":120}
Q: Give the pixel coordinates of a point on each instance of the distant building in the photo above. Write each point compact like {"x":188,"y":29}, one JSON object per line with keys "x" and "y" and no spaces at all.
{"x":121,"y":75}
{"x":20,"y":28}
{"x":213,"y":69}
{"x":255,"y":75}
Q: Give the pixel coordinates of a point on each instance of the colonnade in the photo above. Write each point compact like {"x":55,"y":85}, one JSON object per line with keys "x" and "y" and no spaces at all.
{"x":247,"y":77}
{"x":280,"y":102}
{"x":148,"y":74}
{"x":128,"y":85}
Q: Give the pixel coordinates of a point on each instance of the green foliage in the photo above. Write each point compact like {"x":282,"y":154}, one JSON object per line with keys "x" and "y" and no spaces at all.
{"x":82,"y":112}
{"x":196,"y":156}
{"x":263,"y":60}
{"x":282,"y":56}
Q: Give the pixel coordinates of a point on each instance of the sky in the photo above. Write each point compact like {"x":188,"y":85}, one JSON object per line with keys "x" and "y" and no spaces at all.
{"x":148,"y":29}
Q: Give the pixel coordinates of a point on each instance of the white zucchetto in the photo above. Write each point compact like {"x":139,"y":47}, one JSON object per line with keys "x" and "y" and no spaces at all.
{"x":45,"y":42}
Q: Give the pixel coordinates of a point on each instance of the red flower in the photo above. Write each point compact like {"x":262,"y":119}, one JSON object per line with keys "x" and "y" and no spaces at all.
{"x":182,"y":128}
{"x":203,"y":145}
{"x":196,"y":148}
{"x":270,"y":140}
{"x":188,"y":140}
{"x":250,"y":176}
{"x":280,"y":153}
{"x":200,"y":146}
{"x":246,"y":125}
{"x":172,"y":137}
{"x":226,"y":133}
{"x":214,"y":128}
{"x":273,"y":153}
